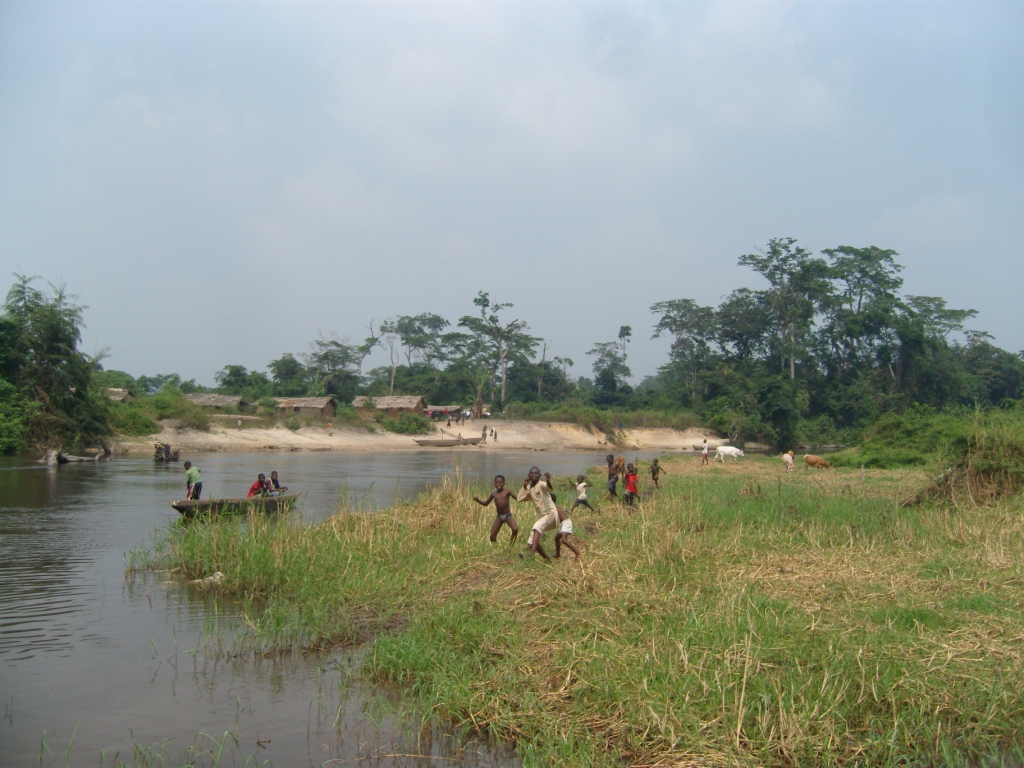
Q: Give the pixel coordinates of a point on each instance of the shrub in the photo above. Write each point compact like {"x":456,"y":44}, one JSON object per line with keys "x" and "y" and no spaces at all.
{"x":405,"y":424}
{"x":130,"y":420}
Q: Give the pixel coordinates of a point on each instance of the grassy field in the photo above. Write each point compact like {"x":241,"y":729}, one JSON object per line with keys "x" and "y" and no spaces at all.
{"x":738,"y":616}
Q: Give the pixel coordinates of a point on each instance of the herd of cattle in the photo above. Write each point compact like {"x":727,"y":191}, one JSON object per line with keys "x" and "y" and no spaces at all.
{"x":810,"y":460}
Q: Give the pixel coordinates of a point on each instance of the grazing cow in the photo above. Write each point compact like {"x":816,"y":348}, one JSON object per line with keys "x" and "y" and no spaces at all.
{"x":727,"y":450}
{"x":787,"y":461}
{"x":620,"y":467}
{"x":810,"y":460}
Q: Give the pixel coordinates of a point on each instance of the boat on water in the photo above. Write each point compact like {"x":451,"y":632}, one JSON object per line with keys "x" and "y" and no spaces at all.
{"x":271,"y":504}
{"x":448,"y":442}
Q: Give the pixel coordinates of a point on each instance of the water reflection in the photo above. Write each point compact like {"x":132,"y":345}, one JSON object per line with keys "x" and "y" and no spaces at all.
{"x":135,"y":663}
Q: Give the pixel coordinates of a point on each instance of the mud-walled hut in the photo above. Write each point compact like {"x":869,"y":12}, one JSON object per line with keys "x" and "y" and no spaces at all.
{"x":217,"y":402}
{"x":308,"y":406}
{"x":393,"y":406}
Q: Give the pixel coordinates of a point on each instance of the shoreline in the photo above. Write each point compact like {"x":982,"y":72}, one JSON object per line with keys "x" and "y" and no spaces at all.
{"x":512,"y":435}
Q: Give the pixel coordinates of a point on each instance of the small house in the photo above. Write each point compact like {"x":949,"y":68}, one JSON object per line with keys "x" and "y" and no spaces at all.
{"x":308,"y":406}
{"x":117,"y":394}
{"x":217,"y":402}
{"x":392,"y":406}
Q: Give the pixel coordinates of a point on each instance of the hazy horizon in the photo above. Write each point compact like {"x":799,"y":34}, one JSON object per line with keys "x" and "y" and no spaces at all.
{"x":223,"y":183}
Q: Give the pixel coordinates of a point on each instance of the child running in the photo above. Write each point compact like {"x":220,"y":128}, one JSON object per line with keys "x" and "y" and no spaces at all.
{"x":613,"y":477}
{"x":632,"y":492}
{"x":501,"y":497}
{"x":656,"y":472}
{"x":539,"y":492}
{"x":581,"y":494}
{"x":564,"y":532}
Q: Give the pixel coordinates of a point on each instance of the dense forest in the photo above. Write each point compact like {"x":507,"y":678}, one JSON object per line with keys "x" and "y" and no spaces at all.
{"x":825,"y":347}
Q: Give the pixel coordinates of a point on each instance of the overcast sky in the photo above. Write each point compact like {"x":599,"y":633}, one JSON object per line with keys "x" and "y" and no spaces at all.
{"x":222,"y":182}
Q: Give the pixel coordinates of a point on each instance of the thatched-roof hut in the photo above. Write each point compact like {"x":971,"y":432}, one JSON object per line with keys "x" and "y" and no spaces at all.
{"x":217,"y":402}
{"x":308,"y":406}
{"x":393,"y":406}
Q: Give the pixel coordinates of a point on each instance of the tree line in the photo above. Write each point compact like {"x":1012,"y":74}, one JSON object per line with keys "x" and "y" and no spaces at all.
{"x":823,"y":350}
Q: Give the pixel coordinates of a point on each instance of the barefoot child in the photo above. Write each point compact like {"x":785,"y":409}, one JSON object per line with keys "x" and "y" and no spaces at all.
{"x":656,"y":472}
{"x":581,"y":494}
{"x":501,"y":497}
{"x":613,"y":476}
{"x":632,"y":492}
{"x":564,"y":532}
{"x":539,"y":492}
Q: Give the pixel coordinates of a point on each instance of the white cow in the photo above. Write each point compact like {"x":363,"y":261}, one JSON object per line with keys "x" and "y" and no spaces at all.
{"x":727,"y":450}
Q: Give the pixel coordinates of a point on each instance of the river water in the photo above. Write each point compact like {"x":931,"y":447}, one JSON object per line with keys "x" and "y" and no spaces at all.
{"x":93,"y":665}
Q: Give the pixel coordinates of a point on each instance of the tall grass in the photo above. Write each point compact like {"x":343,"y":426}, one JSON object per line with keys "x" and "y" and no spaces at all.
{"x":607,"y":421}
{"x":736,"y":617}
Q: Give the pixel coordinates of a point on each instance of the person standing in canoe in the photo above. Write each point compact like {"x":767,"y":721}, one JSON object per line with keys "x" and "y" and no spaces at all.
{"x":193,"y":482}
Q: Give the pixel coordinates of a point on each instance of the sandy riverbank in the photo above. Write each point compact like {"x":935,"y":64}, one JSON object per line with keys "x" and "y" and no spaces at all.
{"x":512,"y":435}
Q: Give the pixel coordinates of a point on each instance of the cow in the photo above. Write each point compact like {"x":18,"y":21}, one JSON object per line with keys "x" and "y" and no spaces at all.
{"x":787,"y":461}
{"x":727,"y":450}
{"x":810,"y":460}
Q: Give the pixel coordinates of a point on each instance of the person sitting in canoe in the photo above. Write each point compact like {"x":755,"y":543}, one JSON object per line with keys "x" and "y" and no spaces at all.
{"x":259,"y":488}
{"x":276,"y":489}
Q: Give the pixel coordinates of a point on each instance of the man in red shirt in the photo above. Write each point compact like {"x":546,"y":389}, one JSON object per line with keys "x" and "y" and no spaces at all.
{"x":259,"y":488}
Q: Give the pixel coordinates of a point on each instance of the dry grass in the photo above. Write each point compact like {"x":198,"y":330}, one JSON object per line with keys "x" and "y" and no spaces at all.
{"x":738,"y":616}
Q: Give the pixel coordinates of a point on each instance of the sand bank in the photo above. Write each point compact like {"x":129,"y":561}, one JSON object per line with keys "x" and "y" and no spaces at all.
{"x":511,"y":435}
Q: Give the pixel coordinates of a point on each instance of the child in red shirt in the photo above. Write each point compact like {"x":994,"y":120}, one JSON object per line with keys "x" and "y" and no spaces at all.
{"x":632,"y":491}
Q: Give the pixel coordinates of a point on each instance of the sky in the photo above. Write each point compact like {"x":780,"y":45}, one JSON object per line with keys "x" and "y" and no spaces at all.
{"x":224,"y":182}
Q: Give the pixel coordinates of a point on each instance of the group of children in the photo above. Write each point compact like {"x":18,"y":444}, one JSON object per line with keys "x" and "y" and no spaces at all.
{"x":265,"y":487}
{"x":551,"y":516}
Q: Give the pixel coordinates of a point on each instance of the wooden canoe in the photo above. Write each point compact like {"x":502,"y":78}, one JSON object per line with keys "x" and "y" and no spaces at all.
{"x":435,"y":443}
{"x":190,"y":508}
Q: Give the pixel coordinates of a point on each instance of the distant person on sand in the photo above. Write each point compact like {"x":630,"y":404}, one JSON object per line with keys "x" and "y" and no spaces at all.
{"x":581,"y":494}
{"x":193,"y":482}
{"x":501,"y":496}
{"x":330,"y":429}
{"x":483,"y":435}
{"x":613,"y":476}
{"x":564,"y":532}
{"x":275,"y":483}
{"x":656,"y":472}
{"x":238,"y":424}
{"x":259,"y":488}
{"x":539,"y":492}
{"x":632,"y":481}
{"x":704,"y":453}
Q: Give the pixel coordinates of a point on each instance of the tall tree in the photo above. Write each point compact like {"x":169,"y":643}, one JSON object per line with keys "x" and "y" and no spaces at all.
{"x":798,"y":280}
{"x":503,"y":340}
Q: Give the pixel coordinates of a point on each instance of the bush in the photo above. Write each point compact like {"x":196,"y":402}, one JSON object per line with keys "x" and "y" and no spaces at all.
{"x":130,"y":420}
{"x":293,"y":423}
{"x":405,"y":424}
{"x":919,"y":437}
{"x":603,"y":420}
{"x":170,"y":403}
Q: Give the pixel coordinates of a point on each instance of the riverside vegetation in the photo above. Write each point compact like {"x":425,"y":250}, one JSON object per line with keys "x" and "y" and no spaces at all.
{"x":739,"y":616}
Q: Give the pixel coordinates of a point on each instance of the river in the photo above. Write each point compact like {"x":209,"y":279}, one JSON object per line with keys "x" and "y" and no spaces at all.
{"x":93,"y":665}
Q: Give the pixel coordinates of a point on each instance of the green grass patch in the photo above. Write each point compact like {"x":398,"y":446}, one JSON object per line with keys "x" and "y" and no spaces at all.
{"x":607,"y":421}
{"x":738,"y":616}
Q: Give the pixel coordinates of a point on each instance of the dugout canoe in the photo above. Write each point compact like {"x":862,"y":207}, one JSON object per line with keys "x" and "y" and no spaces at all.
{"x":435,"y":443}
{"x":271,"y":504}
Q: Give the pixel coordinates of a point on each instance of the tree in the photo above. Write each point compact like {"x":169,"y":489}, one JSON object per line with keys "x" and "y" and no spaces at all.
{"x":503,"y":341}
{"x":334,"y":368}
{"x":625,"y":333}
{"x":50,"y":377}
{"x":610,"y":369}
{"x":797,"y":282}
{"x":290,"y":376}
{"x":421,"y":337}
{"x":692,"y":328}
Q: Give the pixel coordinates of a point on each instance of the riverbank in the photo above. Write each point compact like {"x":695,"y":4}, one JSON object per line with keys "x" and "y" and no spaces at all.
{"x":737,"y":616}
{"x":511,"y":435}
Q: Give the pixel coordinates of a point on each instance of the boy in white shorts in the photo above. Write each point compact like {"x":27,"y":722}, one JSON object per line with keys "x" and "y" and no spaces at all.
{"x":581,"y":494}
{"x":564,"y":532}
{"x":539,"y":492}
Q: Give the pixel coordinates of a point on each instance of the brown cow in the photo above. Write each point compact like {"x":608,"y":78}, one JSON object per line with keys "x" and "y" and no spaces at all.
{"x":810,"y":460}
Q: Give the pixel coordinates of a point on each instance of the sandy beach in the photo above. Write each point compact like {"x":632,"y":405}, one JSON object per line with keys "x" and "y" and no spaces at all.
{"x":511,"y":435}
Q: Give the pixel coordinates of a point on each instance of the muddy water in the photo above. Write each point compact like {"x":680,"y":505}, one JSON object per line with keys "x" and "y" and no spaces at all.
{"x":92,"y":665}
